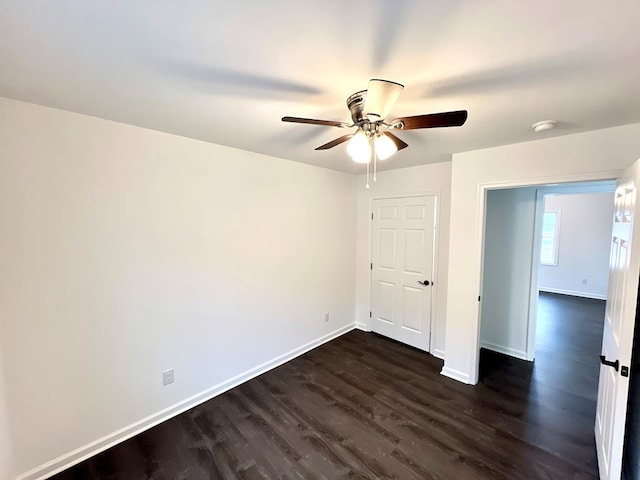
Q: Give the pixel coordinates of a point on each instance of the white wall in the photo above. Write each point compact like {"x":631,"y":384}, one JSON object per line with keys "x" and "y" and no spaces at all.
{"x":429,"y":179}
{"x":583,"y":156}
{"x":6,"y":457}
{"x":584,"y":244}
{"x":127,"y":251}
{"x":506,"y":271}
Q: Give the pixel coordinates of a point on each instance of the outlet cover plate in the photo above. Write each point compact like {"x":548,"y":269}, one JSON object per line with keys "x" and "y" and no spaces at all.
{"x":167,"y":377}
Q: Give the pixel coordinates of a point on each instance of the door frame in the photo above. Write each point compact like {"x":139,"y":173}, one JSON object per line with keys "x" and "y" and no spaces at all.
{"x":436,"y":251}
{"x":482,"y":190}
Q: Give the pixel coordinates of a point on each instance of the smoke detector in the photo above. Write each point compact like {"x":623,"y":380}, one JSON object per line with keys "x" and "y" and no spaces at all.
{"x":544,"y":125}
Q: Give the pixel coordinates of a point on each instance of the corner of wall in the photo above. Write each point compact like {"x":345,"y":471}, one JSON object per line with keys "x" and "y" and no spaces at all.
{"x":67,"y":460}
{"x":455,"y":374}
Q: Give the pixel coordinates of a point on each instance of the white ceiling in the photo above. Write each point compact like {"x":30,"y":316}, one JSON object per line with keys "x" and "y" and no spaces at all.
{"x":227,"y":71}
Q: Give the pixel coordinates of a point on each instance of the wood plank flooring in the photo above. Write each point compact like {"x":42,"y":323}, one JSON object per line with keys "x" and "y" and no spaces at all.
{"x":363,"y":406}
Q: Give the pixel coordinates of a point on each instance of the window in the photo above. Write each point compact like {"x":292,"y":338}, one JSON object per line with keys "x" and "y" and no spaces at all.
{"x":549,"y":244}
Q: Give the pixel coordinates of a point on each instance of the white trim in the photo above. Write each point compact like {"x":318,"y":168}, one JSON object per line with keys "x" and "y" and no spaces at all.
{"x":67,"y":460}
{"x":455,"y":374}
{"x":575,"y":188}
{"x":544,"y":182}
{"x":426,"y":193}
{"x":573,"y":293}
{"x":532,"y":318}
{"x":512,"y":352}
{"x":438,"y":353}
{"x":480,"y":225}
{"x":363,"y":326}
{"x":433,"y":324}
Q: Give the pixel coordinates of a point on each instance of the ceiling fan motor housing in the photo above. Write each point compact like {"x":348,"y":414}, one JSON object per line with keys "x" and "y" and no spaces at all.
{"x":355,"y":103}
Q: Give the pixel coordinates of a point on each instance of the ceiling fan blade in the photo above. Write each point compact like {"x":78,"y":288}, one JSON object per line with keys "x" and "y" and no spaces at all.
{"x":433,"y":120}
{"x":381,"y":96}
{"x":313,"y":121}
{"x":400,"y":144}
{"x":335,"y":142}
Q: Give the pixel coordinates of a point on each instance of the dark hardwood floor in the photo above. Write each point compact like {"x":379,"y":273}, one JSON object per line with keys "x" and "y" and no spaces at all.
{"x":363,"y":406}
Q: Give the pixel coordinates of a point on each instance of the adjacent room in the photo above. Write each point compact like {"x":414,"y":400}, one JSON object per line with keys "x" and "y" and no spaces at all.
{"x":279,"y":239}
{"x":545,"y":278}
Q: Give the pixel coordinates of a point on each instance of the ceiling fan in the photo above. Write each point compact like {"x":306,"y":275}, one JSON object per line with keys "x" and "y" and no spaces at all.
{"x":373,"y":139}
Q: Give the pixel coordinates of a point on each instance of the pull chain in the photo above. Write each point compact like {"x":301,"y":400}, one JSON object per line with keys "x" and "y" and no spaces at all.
{"x":375,"y":160}
{"x":367,"y":185}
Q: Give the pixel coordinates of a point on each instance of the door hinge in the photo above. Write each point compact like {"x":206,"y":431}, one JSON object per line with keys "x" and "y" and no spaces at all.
{"x":478,"y":297}
{"x":370,"y":314}
{"x":371,"y":215}
{"x":371,"y":266}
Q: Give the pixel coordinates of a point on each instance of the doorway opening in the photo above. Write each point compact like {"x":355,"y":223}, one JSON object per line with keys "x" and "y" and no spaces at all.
{"x":544,"y":286}
{"x":554,"y":239}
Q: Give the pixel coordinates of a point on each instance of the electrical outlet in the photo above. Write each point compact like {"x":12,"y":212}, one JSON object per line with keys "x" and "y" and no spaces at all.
{"x":167,"y":377}
{"x":584,"y":281}
{"x":326,"y":316}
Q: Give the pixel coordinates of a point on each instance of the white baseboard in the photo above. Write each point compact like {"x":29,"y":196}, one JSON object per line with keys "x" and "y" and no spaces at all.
{"x":455,"y":374}
{"x":573,"y":293}
{"x":438,"y":353}
{"x":512,"y":352}
{"x":67,"y":460}
{"x":363,"y":326}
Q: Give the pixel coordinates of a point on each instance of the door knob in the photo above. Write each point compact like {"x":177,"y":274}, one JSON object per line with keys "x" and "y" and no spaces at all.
{"x":608,"y":363}
{"x":426,"y":283}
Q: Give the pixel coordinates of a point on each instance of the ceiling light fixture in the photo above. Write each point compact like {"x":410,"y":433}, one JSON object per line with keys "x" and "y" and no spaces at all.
{"x":369,"y":145}
{"x":373,"y":139}
{"x":385,"y":147}
{"x":544,"y":125}
{"x":359,"y":147}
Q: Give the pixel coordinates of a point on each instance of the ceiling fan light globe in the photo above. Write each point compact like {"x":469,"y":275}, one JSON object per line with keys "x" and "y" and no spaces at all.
{"x":385,"y":147}
{"x":359,"y":148}
{"x":363,"y":158}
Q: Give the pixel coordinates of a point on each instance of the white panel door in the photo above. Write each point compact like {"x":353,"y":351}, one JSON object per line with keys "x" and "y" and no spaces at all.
{"x":624,"y":269}
{"x":403,"y":232}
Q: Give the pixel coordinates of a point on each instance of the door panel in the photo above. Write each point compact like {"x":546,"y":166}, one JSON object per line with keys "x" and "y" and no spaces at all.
{"x":386,"y":253}
{"x":414,"y":251}
{"x":624,"y":268}
{"x":412,"y":309}
{"x":388,"y":212}
{"x":386,"y":302}
{"x":415,"y":212}
{"x":403,"y":254}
